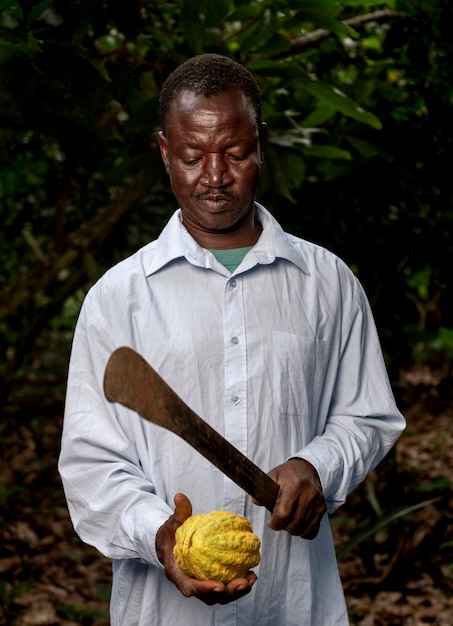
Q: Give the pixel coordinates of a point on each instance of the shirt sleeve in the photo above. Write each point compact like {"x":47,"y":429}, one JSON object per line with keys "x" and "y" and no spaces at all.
{"x":112,"y":504}
{"x":363,"y":420}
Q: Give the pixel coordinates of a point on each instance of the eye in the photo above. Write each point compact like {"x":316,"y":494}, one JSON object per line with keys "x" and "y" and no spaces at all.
{"x":191,"y":161}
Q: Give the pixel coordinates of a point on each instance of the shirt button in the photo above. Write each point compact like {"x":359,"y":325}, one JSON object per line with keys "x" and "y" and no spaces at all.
{"x":234,"y":340}
{"x":233,"y":283}
{"x":235,"y":399}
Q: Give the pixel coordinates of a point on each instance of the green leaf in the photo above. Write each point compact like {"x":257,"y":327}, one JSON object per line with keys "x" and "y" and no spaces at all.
{"x":193,"y":28}
{"x":277,"y":69}
{"x":334,"y":98}
{"x":244,"y":13}
{"x":390,"y":4}
{"x":369,"y":532}
{"x":99,"y":66}
{"x":276,"y":44}
{"x":111,"y":42}
{"x":9,"y":49}
{"x":12,"y":7}
{"x":167,"y":42}
{"x":143,"y":116}
{"x":329,"y":97}
{"x":328,"y":152}
{"x":257,"y":33}
{"x":318,"y":8}
{"x":294,"y":168}
{"x":336,"y":27}
{"x":216,"y":12}
{"x":318,"y":117}
{"x":439,"y":483}
{"x":284,"y":170}
{"x":36,"y":11}
{"x":364,"y":147}
{"x":289,"y":139}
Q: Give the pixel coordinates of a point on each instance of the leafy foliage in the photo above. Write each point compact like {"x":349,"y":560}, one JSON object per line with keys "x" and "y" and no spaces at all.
{"x":357,"y":96}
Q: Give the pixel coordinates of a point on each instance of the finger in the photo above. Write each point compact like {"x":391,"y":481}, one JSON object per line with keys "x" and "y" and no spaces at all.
{"x":308,"y":531}
{"x":183,"y":508}
{"x":233,"y":590}
{"x":201,"y":589}
{"x":284,"y":511}
{"x":308,"y":523}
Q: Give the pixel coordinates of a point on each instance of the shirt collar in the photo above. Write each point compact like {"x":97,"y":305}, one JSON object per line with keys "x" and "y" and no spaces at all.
{"x":175,"y":242}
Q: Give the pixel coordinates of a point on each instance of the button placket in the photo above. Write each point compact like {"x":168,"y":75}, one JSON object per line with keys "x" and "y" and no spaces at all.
{"x":235,"y":384}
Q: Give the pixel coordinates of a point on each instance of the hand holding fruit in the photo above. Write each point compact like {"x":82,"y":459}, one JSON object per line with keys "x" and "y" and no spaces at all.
{"x":209,"y":591}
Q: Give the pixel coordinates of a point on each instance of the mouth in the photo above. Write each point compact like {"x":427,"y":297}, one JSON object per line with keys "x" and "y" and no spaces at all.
{"x":215,"y":201}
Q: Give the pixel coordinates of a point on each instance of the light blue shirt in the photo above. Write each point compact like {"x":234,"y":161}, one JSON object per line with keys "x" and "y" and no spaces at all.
{"x":282,"y":358}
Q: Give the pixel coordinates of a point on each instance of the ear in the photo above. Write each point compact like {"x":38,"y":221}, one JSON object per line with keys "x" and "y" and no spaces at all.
{"x":263,"y":136}
{"x":163,"y":145}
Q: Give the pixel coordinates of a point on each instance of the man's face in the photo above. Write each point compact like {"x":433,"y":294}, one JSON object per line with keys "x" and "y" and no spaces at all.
{"x":212,"y":151}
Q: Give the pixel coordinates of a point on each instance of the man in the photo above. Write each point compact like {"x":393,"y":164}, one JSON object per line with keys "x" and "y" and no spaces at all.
{"x":267,"y":337}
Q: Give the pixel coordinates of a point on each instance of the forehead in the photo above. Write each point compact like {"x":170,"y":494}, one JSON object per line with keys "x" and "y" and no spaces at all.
{"x":230,"y":108}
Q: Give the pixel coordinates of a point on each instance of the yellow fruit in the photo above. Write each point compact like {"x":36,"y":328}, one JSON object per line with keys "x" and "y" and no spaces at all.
{"x":216,"y":546}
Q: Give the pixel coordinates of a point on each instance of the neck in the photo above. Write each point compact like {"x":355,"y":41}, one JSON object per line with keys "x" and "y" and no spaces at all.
{"x":239,"y":236}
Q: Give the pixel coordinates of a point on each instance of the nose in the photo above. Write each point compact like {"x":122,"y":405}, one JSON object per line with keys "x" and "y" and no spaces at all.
{"x":215,"y":171}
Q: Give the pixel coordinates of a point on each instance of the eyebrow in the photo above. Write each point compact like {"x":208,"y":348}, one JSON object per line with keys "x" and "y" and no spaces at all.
{"x":197,"y":146}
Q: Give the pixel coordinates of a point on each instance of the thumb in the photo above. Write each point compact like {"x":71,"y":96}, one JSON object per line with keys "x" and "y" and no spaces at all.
{"x":183,"y":508}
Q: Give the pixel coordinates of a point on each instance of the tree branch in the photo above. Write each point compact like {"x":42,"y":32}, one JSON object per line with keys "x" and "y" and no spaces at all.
{"x":299,"y":44}
{"x":73,"y":247}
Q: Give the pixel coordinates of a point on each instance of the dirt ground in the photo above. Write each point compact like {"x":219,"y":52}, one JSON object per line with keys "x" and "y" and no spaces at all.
{"x":394,"y":535}
{"x":403,"y":573}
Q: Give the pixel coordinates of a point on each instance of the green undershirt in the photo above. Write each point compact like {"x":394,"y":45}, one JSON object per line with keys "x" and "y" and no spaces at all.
{"x":231,"y":259}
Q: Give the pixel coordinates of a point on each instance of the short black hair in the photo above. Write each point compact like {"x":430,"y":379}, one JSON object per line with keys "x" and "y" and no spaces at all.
{"x":208,"y":75}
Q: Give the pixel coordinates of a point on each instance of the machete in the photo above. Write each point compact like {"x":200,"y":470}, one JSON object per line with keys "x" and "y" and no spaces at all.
{"x":132,"y":382}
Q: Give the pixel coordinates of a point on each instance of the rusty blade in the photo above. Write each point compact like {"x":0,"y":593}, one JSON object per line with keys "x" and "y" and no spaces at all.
{"x":132,"y":382}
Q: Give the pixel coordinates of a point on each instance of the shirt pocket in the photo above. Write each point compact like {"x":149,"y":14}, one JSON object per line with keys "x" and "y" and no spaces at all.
{"x":299,"y":366}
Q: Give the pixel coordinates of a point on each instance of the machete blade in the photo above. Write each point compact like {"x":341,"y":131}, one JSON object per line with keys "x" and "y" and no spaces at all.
{"x":132,"y":382}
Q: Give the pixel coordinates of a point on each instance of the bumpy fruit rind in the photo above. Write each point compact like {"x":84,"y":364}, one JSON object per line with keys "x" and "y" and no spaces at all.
{"x":216,"y":546}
